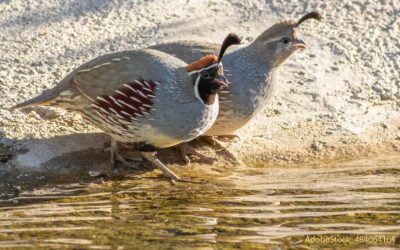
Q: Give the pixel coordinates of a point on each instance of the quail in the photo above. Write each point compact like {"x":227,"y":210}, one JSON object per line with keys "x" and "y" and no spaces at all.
{"x":251,"y":70}
{"x":146,"y":98}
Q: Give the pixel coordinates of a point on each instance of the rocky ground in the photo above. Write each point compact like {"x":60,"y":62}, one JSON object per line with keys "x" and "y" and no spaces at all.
{"x":339,"y":98}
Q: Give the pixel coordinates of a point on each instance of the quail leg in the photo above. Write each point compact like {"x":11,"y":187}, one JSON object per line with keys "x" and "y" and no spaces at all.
{"x":186,"y":150}
{"x":116,"y":156}
{"x":151,"y":156}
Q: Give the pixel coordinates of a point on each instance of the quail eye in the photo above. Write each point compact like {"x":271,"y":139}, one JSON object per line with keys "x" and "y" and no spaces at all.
{"x":205,"y":74}
{"x":286,"y":40}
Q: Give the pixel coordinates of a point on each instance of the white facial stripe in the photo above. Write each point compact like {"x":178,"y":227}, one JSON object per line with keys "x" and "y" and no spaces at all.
{"x":196,"y":89}
{"x":209,"y":67}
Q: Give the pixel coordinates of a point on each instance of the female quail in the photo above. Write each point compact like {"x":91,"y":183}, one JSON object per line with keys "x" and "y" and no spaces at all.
{"x":251,"y":71}
{"x":145,"y":98}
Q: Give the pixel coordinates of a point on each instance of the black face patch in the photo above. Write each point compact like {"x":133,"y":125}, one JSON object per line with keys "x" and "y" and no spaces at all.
{"x":208,"y":89}
{"x":208,"y":86}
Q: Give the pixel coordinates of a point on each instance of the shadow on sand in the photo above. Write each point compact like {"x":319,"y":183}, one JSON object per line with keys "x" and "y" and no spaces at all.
{"x":81,"y":159}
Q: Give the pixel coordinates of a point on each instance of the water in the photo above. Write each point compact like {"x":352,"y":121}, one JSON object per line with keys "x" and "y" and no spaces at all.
{"x":347,"y":205}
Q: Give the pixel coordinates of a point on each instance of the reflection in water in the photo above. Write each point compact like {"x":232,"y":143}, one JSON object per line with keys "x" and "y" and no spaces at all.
{"x":337,"y":205}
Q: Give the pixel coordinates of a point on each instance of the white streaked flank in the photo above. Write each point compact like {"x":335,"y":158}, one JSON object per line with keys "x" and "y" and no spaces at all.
{"x":129,"y":87}
{"x":126,"y":104}
{"x":126,"y":113}
{"x":120,"y":92}
{"x":145,"y":88}
{"x":115,"y":101}
{"x":141,"y":84}
{"x":147,"y":84}
{"x":114,"y":111}
{"x":94,"y":105}
{"x":102,"y":99}
{"x":135,"y":99}
{"x":142,"y":94}
{"x":105,"y":111}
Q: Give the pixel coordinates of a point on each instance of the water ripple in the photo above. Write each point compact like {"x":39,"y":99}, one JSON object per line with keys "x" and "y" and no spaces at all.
{"x":252,"y":207}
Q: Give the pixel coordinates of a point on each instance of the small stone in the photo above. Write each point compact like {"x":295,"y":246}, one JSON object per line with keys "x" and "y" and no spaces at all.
{"x":17,"y":190}
{"x":276,"y":112}
{"x":112,"y":47}
{"x":34,"y":115}
{"x":94,"y":173}
{"x":46,"y":113}
{"x":248,"y":39}
{"x":334,"y":68}
{"x":99,"y":181}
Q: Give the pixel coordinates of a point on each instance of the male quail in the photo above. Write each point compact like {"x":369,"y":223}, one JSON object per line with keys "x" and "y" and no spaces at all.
{"x":145,"y":98}
{"x":250,"y":69}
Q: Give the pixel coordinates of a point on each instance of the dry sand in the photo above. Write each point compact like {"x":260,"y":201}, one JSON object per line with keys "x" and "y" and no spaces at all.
{"x":339,"y":98}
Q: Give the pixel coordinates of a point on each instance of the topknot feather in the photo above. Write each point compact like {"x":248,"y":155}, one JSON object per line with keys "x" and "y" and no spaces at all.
{"x":202,"y":62}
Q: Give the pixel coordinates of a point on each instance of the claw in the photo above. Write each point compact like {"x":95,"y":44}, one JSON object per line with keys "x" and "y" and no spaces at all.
{"x":117,"y":157}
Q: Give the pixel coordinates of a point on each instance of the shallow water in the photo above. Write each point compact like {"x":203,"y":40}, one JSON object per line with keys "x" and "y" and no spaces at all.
{"x":344,"y":205}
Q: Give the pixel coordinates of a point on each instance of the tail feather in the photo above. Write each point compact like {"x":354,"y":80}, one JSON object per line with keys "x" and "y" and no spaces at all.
{"x":46,"y":97}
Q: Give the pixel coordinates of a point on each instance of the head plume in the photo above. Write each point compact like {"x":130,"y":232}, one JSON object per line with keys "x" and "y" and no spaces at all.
{"x":311,"y":15}
{"x":230,"y":39}
{"x":286,"y":27}
{"x":207,"y":60}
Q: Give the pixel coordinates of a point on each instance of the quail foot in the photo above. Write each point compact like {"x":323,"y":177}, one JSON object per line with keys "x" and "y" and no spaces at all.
{"x":251,"y":69}
{"x":146,"y":98}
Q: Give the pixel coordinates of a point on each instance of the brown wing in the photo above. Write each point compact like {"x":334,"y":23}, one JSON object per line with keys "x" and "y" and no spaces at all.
{"x":130,"y":102}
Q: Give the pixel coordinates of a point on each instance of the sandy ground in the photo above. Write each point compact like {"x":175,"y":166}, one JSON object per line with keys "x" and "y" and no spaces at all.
{"x":339,"y":98}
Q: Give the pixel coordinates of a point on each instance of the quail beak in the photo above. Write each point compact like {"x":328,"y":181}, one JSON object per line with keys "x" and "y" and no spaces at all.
{"x":221,"y":79}
{"x":299,"y":44}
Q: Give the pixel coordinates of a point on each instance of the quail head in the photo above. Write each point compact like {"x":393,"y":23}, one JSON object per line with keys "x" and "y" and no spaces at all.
{"x":146,"y":98}
{"x":250,"y":69}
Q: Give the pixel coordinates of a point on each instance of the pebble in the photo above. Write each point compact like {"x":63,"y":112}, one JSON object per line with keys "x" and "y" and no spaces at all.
{"x":95,"y":173}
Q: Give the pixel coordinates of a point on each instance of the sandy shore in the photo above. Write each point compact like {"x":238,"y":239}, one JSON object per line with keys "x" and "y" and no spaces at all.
{"x":339,"y":98}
